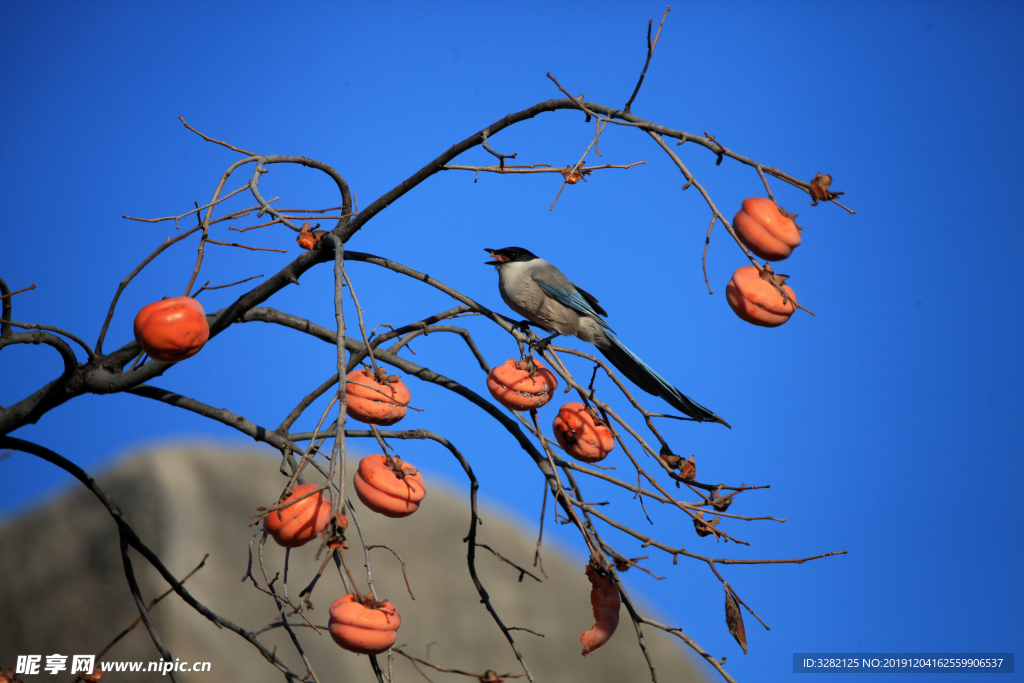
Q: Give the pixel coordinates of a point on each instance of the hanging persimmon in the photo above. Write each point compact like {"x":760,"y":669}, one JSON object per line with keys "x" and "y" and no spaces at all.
{"x":766,"y":229}
{"x":513,"y":385}
{"x":300,"y":522}
{"x":368,"y":626}
{"x":389,"y":486}
{"x":173,"y":329}
{"x":753,"y":296}
{"x":582,"y":433}
{"x":378,"y":399}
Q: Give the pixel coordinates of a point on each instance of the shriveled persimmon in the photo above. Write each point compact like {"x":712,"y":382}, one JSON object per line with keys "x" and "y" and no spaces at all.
{"x":378,"y":399}
{"x":366,"y":626}
{"x":766,"y":229}
{"x":753,"y":296}
{"x":604,"y":597}
{"x":389,"y":486}
{"x":518,"y":386}
{"x":173,"y":329}
{"x":582,"y":433}
{"x":308,"y":238}
{"x":300,"y":522}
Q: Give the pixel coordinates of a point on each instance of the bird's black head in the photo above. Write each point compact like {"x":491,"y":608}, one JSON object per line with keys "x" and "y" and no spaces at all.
{"x":509,"y":254}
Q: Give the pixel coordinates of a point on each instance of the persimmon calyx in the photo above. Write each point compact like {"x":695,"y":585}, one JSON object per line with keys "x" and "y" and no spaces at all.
{"x":400,"y":469}
{"x":382,"y":377}
{"x":370,"y":601}
{"x":776,"y":280}
{"x":791,"y":216}
{"x":529,"y":365}
{"x":333,"y":535}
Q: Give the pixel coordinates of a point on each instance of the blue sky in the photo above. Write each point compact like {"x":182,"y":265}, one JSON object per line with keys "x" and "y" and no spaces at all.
{"x":890,"y":425}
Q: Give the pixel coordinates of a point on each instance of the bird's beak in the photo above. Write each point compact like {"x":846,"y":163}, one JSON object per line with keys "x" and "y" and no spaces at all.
{"x":498,"y":258}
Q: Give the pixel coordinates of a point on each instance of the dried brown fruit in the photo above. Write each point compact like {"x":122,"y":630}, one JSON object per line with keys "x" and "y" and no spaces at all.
{"x":604,"y":597}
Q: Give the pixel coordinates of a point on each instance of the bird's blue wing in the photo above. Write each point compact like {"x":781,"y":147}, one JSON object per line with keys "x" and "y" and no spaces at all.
{"x":573,"y":300}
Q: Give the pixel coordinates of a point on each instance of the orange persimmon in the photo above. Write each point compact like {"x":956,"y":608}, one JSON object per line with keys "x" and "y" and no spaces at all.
{"x":376,"y":400}
{"x":300,"y":522}
{"x":389,"y":486}
{"x":766,"y":230}
{"x":582,"y":434}
{"x":173,"y":329}
{"x":604,"y":597}
{"x":756,"y":300}
{"x":513,"y":386}
{"x":368,"y":627}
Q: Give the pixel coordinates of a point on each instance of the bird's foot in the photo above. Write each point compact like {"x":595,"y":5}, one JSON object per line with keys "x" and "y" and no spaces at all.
{"x":523,"y":326}
{"x":540,"y":345}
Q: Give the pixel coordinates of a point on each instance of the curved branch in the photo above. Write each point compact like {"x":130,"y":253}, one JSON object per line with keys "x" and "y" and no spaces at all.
{"x":133,"y":587}
{"x":613,"y":115}
{"x":222,"y":415}
{"x":50,"y":328}
{"x":134,"y":541}
{"x":68,"y":356}
{"x":346,"y":194}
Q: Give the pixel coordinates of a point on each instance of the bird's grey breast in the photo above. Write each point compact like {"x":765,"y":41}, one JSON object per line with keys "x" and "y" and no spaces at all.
{"x":519,"y":289}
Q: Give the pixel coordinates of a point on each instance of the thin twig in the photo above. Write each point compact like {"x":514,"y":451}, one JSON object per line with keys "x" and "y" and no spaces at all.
{"x":151,"y":605}
{"x":704,"y":258}
{"x":208,"y":287}
{"x":245,"y":246}
{"x":219,"y":142}
{"x":522,"y":572}
{"x":25,"y":289}
{"x":650,"y":52}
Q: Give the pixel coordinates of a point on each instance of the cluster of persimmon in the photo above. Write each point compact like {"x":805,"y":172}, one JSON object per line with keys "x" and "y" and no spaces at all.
{"x":174,"y":329}
{"x":759,"y":295}
{"x":384,"y":483}
{"x":584,"y":435}
{"x":528,"y":385}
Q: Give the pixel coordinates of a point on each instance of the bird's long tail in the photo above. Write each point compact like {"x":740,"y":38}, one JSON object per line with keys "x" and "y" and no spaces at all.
{"x":642,"y":375}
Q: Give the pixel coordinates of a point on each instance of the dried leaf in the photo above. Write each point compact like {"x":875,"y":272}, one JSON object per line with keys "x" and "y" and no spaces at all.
{"x":704,"y":528}
{"x":688,"y":469}
{"x":722,"y":504}
{"x":734,"y":620}
{"x":604,"y":597}
{"x":571,"y":175}
{"x":819,"y":188}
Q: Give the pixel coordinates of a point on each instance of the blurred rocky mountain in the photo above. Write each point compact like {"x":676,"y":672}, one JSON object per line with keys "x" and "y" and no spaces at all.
{"x":63,"y":590}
